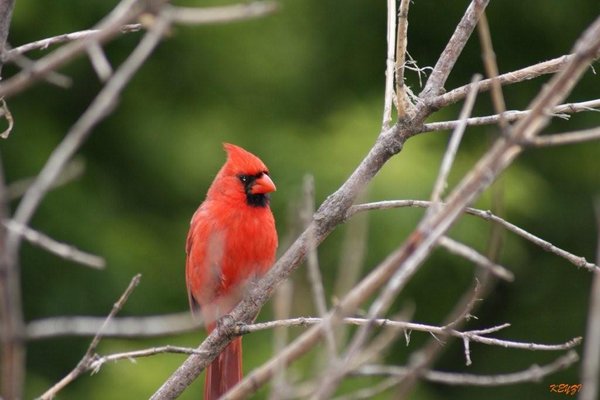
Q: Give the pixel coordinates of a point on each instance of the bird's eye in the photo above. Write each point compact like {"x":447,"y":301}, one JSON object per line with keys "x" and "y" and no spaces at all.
{"x":244,"y":179}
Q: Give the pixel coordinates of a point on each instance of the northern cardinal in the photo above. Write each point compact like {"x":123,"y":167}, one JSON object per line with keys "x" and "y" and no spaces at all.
{"x":232,"y":240}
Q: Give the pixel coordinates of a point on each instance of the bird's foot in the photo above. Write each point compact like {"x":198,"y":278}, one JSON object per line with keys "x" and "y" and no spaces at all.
{"x":229,"y":326}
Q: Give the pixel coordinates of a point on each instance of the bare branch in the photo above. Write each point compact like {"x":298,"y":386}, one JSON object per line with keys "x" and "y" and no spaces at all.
{"x":474,"y":335}
{"x":312,"y":261}
{"x":559,"y":139}
{"x":477,"y":258}
{"x":123,"y":327}
{"x":12,"y":363}
{"x":99,"y":61}
{"x":224,"y":14}
{"x":352,"y":260}
{"x":402,"y":100}
{"x":442,"y":179}
{"x":124,"y":13}
{"x":9,"y":119}
{"x":534,"y":373}
{"x":66,"y":37}
{"x":282,"y":306}
{"x":590,"y":369}
{"x":560,"y":111}
{"x":84,"y":364}
{"x":491,"y":69}
{"x":99,"y":361}
{"x":62,"y":250}
{"x":453,"y":49}
{"x":488,"y":216}
{"x":520,"y":75}
{"x":73,"y":170}
{"x":389,"y":62}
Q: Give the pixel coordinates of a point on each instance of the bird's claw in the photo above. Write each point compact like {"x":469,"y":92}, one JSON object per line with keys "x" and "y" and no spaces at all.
{"x":229,"y":326}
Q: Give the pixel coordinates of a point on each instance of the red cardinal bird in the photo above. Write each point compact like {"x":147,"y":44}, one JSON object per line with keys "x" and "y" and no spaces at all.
{"x":232,"y":239}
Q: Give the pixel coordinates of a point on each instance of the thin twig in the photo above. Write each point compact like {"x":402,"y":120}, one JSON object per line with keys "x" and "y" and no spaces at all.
{"x":488,"y":216}
{"x":590,"y":368}
{"x":453,"y":49}
{"x":99,"y":61}
{"x":352,"y":258}
{"x":389,"y":62}
{"x":402,"y":100}
{"x":561,"y":111}
{"x":12,"y":362}
{"x":312,"y":261}
{"x":124,"y":13}
{"x":534,"y":373}
{"x":559,"y":139}
{"x":473,"y":335}
{"x":87,"y":359}
{"x":98,"y":361}
{"x":224,"y":14}
{"x":72,"y":171}
{"x":123,"y":327}
{"x":477,"y":258}
{"x":9,"y":119}
{"x":520,"y":75}
{"x":282,"y":307}
{"x":43,"y":44}
{"x":66,"y":251}
{"x":491,"y":69}
{"x":442,"y":179}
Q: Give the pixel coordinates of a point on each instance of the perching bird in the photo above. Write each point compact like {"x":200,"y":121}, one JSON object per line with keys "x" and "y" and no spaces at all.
{"x":232,"y":240}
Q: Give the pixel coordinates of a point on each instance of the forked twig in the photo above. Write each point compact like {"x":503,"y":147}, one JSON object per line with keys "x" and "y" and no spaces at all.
{"x":85,"y":364}
{"x":486,"y":215}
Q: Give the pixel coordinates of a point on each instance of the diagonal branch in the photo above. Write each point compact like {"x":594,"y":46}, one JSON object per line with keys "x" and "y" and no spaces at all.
{"x":453,"y":49}
{"x":63,"y":250}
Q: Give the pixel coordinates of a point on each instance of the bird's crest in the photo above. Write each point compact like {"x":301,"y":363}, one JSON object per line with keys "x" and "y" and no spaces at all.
{"x":242,"y":161}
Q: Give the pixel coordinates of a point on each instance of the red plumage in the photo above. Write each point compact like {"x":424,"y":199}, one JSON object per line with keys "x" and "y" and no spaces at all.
{"x":232,"y":239}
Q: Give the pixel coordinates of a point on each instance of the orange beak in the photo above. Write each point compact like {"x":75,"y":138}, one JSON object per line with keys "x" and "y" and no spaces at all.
{"x":263,"y":185}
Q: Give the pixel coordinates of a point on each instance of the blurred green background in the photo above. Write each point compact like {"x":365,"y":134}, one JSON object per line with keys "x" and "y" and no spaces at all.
{"x":303,"y":89}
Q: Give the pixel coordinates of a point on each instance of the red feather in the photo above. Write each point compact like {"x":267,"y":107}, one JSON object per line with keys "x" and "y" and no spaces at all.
{"x":232,"y":239}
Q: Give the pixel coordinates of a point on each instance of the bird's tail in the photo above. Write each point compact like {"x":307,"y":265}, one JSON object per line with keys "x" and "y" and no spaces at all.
{"x":224,"y":372}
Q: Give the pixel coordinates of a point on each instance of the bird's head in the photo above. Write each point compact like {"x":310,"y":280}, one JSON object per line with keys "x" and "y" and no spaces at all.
{"x":244,"y":174}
